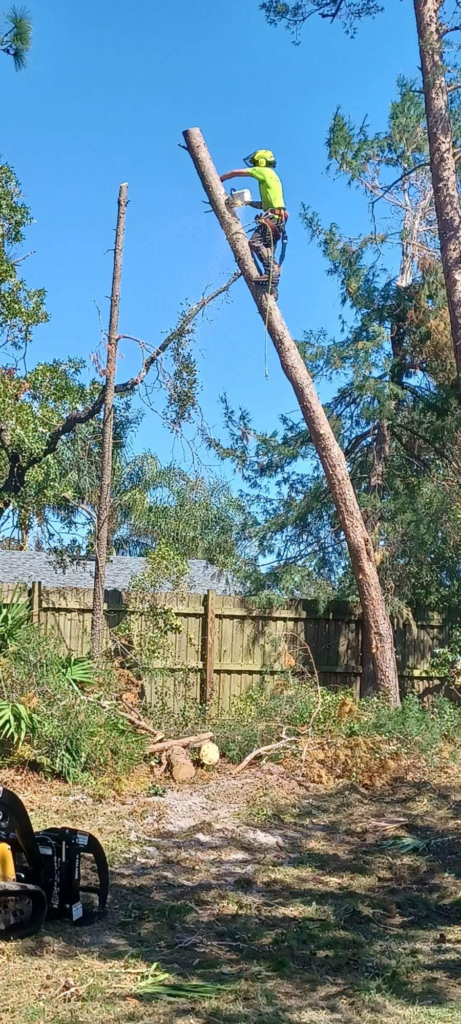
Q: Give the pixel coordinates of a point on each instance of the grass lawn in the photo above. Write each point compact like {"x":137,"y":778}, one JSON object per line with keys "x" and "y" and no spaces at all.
{"x":253,"y":900}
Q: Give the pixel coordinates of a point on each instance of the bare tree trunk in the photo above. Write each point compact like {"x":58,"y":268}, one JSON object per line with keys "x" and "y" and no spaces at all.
{"x":367,"y":678}
{"x":329,"y":452}
{"x":442,"y":158}
{"x":381,"y":453}
{"x":102,"y":523}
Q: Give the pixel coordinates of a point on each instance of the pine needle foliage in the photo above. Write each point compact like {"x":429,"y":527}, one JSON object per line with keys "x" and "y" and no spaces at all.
{"x":21,"y":308}
{"x":17,"y":37}
{"x":295,"y":14}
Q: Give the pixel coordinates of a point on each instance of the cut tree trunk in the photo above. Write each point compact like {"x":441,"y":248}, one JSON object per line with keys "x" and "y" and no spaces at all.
{"x":442,"y":159}
{"x":330,"y":454}
{"x":180,"y":765}
{"x":209,"y":754}
{"x":104,"y":505}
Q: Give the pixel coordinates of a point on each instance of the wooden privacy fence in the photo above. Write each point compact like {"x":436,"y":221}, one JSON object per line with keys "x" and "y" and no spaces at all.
{"x":226,"y":644}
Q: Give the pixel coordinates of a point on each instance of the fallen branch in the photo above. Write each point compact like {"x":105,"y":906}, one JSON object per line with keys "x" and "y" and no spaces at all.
{"x":186,"y":741}
{"x":264,"y":750}
{"x":133,"y":717}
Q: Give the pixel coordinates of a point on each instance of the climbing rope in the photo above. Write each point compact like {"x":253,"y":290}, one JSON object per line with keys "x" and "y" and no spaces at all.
{"x":269,"y":291}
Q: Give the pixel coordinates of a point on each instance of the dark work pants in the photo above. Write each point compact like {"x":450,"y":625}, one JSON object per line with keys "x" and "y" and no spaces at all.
{"x":263,"y":243}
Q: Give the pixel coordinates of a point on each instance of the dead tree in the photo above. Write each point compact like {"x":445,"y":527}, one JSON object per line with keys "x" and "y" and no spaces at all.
{"x":104,"y":504}
{"x":329,"y":452}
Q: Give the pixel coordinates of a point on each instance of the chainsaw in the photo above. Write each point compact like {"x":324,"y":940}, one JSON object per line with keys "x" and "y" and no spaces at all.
{"x":56,"y":873}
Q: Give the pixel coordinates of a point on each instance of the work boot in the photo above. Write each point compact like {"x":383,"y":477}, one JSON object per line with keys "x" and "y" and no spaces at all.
{"x":264,"y":279}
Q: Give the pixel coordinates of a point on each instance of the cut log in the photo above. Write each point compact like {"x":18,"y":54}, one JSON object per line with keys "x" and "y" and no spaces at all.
{"x":186,"y":741}
{"x":180,"y":765}
{"x":209,"y":754}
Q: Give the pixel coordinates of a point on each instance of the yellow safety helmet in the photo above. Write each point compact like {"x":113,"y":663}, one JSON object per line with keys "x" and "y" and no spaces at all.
{"x":260,"y":158}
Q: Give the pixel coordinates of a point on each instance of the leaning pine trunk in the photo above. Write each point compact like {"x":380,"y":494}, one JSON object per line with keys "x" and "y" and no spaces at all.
{"x":442,"y":159}
{"x":328,"y":450}
{"x":367,"y":678}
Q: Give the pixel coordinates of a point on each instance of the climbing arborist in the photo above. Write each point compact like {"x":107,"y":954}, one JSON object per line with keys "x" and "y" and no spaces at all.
{"x":271,"y":224}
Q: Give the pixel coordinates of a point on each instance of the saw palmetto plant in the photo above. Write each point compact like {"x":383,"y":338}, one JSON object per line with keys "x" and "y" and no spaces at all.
{"x":15,"y":722}
{"x":14,"y":616}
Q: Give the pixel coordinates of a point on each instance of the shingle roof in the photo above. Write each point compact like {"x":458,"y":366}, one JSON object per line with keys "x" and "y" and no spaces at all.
{"x":37,"y":566}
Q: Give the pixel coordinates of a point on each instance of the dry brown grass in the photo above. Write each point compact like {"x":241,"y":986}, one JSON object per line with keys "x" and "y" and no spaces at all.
{"x":277,"y":888}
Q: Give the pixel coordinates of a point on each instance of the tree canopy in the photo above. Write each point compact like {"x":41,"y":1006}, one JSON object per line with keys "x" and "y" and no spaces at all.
{"x":50,"y":433}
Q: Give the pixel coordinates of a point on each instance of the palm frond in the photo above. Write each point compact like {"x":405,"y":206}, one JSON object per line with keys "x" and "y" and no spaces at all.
{"x":15,"y":722}
{"x":14,"y":616}
{"x":161,"y":984}
{"x":412,"y":844}
{"x":78,"y":670}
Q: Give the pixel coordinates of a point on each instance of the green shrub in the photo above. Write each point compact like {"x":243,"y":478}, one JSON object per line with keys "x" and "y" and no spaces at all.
{"x":67,"y":732}
{"x":78,"y":670}
{"x":446,"y":661}
{"x":256,"y":718}
{"x":414,"y":724}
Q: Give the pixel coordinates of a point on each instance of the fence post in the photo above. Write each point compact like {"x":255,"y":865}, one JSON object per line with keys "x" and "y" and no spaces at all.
{"x":206,"y":689}
{"x":35,"y":602}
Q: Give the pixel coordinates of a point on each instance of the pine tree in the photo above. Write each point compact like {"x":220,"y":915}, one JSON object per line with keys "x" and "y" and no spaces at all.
{"x":435,"y":20}
{"x":395,"y":409}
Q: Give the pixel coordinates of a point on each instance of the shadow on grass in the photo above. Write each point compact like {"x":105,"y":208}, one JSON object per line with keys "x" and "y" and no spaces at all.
{"x":324,"y":919}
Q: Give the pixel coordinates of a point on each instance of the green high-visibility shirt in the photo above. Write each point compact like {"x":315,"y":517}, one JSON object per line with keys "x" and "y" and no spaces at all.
{"x":270,"y":187}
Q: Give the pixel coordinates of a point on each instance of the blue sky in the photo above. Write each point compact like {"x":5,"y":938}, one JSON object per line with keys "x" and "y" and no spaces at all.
{"x":106,"y":94}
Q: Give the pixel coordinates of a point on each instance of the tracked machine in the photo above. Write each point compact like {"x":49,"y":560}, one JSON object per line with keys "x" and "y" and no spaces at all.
{"x":56,"y":873}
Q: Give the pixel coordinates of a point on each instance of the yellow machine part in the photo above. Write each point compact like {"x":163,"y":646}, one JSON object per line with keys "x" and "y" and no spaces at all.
{"x":7,"y":870}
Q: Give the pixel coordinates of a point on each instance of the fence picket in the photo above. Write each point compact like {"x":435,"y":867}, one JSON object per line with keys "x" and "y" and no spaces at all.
{"x":244,"y":644}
